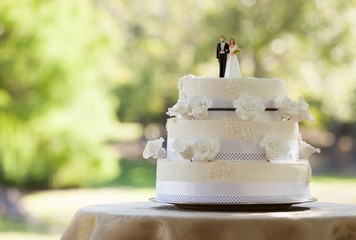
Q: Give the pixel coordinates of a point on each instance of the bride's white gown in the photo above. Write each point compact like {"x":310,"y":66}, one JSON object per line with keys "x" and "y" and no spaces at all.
{"x":232,"y":65}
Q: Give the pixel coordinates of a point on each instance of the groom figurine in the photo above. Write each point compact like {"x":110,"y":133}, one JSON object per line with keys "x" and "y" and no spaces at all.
{"x":222,"y":49}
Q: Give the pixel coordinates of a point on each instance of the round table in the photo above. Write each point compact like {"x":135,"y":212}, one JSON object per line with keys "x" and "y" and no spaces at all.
{"x":150,"y":220}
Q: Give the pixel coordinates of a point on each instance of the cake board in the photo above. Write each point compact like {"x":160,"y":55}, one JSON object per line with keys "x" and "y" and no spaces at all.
{"x":258,"y":207}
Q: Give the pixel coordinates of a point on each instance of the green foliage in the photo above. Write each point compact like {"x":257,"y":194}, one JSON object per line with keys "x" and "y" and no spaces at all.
{"x":61,"y":62}
{"x":334,"y":178}
{"x":55,"y":109}
{"x":134,"y":173}
{"x":18,"y":225}
{"x":307,"y":43}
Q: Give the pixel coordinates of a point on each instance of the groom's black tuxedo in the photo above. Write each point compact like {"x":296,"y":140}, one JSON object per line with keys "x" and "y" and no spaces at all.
{"x":222,"y":57}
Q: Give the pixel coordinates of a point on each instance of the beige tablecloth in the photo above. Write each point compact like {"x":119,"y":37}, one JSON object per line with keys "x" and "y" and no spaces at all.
{"x":133,"y":221}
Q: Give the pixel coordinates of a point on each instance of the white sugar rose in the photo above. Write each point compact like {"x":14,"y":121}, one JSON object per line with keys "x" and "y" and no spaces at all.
{"x":154,"y":149}
{"x":182,"y":147}
{"x":193,"y":108}
{"x":248,"y":107}
{"x":306,"y":150}
{"x":303,"y":111}
{"x":291,"y":110}
{"x":198,"y":107}
{"x":180,"y":109}
{"x":205,"y":149}
{"x":274,"y":147}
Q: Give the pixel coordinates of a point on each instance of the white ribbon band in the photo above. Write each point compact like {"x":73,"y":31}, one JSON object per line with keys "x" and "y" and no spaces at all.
{"x":239,"y":189}
{"x":228,"y":103}
{"x":267,"y":115}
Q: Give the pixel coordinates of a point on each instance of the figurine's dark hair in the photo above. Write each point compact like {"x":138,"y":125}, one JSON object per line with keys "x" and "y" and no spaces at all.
{"x":222,"y":36}
{"x":233,"y":39}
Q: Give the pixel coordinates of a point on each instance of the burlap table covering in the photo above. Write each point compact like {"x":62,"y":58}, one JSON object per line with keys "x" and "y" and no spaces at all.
{"x":147,"y":220}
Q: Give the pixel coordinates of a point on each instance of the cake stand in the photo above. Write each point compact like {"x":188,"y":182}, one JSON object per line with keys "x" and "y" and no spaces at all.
{"x":285,"y":206}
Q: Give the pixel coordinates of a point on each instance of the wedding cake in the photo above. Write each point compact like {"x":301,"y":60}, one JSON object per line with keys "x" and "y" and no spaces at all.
{"x":233,"y":141}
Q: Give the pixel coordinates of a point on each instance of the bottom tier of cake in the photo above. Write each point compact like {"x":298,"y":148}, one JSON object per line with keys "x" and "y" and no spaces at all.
{"x":228,"y":182}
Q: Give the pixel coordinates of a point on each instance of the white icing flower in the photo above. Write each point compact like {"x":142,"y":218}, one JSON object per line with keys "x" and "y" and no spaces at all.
{"x":205,"y":149}
{"x":182,"y":147}
{"x":219,"y":169}
{"x":181,"y":108}
{"x":274,"y":147}
{"x":198,"y":107}
{"x":154,"y":149}
{"x":248,"y":107}
{"x":306,"y":150}
{"x":248,"y":134}
{"x":192,"y":108}
{"x":233,"y":86}
{"x":290,"y":110}
{"x":231,"y":125}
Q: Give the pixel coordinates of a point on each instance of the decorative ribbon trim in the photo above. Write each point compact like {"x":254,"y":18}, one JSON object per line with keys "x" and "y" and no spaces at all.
{"x":271,"y":109}
{"x":278,"y":199}
{"x":222,"y":109}
{"x":225,"y":188}
{"x":212,"y":192}
{"x":233,"y":109}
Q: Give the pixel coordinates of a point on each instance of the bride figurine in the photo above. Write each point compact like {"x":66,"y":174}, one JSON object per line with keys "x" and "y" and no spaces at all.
{"x":232,"y":64}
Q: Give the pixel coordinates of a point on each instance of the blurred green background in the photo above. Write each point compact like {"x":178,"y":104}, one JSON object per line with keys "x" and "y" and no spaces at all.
{"x":84,"y":83}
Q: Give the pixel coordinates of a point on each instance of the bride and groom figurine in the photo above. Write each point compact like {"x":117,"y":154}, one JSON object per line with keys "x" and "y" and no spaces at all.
{"x":226,"y":55}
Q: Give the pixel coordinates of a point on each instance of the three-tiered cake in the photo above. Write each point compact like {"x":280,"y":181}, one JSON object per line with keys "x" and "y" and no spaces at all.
{"x":233,"y":141}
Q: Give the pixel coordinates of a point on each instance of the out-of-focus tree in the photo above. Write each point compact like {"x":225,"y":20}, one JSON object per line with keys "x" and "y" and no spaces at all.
{"x":57,"y":62}
{"x":307,"y":43}
{"x":160,"y":45}
{"x":53,"y":98}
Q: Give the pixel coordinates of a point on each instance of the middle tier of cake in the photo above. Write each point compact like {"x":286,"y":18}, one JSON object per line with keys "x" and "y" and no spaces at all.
{"x":238,"y":140}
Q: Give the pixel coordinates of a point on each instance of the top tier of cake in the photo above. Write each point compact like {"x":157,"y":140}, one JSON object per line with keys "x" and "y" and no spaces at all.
{"x":222,"y":91}
{"x":224,"y":96}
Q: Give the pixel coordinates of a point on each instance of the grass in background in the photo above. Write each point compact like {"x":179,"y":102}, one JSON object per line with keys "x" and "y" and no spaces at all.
{"x":134,"y":173}
{"x":334,"y":188}
{"x":334,"y":178}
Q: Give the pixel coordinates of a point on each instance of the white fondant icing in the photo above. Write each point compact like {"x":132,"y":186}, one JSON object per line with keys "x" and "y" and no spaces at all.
{"x":230,"y":129}
{"x":234,"y":167}
{"x":223,"y":88}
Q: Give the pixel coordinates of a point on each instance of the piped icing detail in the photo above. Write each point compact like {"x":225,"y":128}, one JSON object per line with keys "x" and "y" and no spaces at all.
{"x":220,"y":169}
{"x":233,"y":87}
